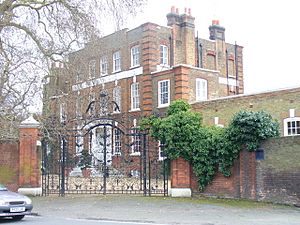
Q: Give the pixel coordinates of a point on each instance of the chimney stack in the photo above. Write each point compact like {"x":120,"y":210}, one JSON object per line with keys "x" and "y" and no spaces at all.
{"x":183,"y":36}
{"x":216,"y":32}
{"x":173,"y":16}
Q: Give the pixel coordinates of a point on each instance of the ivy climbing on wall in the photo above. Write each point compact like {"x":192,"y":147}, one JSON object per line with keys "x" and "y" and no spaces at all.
{"x":209,"y":148}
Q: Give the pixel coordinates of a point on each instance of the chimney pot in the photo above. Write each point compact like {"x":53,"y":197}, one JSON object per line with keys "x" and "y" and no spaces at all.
{"x":190,"y":13}
{"x":177,"y":11}
{"x":185,"y":10}
{"x":215,"y":22}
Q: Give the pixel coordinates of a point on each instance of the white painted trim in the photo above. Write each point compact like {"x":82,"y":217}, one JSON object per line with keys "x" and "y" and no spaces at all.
{"x":163,"y":106}
{"x":252,"y":94}
{"x":180,"y":192}
{"x":109,"y":78}
{"x":131,"y":96}
{"x":117,"y":58}
{"x":135,"y":110}
{"x":37,"y":191}
{"x":162,"y":67}
{"x":135,"y":154}
{"x":285,"y":127}
{"x":199,"y":83}
{"x":160,"y":158}
{"x":164,"y":50}
{"x":216,"y":119}
{"x":38,"y":143}
{"x":197,"y":68}
{"x":131,"y":56}
{"x":160,"y":105}
{"x":30,"y":123}
{"x":292,"y":112}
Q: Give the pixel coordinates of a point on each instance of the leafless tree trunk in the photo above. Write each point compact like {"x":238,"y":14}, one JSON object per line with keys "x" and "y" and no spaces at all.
{"x":36,"y":33}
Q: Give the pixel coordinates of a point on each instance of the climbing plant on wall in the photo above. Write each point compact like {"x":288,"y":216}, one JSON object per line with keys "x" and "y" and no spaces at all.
{"x":209,"y":149}
{"x":247,"y":130}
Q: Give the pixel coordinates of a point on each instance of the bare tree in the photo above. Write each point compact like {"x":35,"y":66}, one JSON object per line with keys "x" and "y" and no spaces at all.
{"x":34,"y":33}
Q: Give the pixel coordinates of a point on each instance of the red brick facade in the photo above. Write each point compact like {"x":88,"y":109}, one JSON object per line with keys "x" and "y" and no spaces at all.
{"x":241,"y":184}
{"x":181,"y":173}
{"x":30,"y":158}
{"x":170,"y":54}
{"x":9,"y":164}
{"x":20,"y":160}
{"x":272,"y":178}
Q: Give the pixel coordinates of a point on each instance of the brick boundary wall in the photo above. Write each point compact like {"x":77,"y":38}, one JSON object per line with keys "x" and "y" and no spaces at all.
{"x":278,"y":174}
{"x":9,"y":164}
{"x":20,"y":159}
{"x":273,"y":178}
{"x":241,"y":183}
{"x":276,"y":103}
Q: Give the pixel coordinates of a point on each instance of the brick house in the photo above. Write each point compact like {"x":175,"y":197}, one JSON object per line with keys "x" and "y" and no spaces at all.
{"x":144,"y":69}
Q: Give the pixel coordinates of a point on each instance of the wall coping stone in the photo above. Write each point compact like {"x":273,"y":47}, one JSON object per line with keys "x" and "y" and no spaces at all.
{"x":30,"y":123}
{"x":31,"y":191}
{"x":180,"y":192}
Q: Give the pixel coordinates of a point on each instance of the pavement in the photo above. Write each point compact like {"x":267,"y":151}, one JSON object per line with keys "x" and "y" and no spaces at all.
{"x":164,"y":210}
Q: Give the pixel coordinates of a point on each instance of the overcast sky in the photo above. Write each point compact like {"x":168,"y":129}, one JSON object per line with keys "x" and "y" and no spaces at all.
{"x":268,"y":31}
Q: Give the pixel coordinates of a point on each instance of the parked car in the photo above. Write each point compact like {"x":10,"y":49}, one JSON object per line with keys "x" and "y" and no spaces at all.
{"x":13,"y":204}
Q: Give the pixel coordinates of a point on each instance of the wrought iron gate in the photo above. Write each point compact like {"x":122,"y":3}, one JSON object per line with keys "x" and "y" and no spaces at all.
{"x":101,"y":156}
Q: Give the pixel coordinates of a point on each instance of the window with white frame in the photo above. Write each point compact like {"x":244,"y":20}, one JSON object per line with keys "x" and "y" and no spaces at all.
{"x":117,"y":142}
{"x":103,"y":66}
{"x":163,"y":93}
{"x":161,"y":150}
{"x":164,"y":57}
{"x":291,"y":126}
{"x":135,"y":56}
{"x":92,"y":68}
{"x":117,"y":99}
{"x":117,"y":61}
{"x":135,"y":97}
{"x":201,"y":89}
{"x":136,"y":141}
